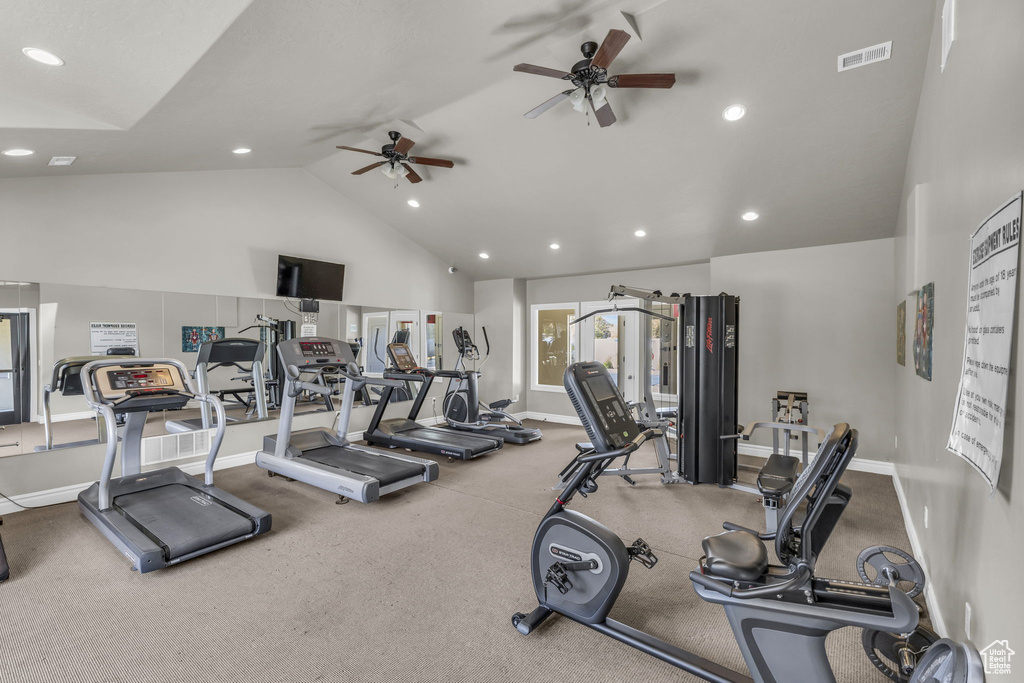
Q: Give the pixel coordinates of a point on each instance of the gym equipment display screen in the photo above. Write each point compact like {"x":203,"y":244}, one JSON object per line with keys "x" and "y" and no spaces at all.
{"x":140,"y":378}
{"x":301,"y":278}
{"x":316,"y":349}
{"x":601,"y":388}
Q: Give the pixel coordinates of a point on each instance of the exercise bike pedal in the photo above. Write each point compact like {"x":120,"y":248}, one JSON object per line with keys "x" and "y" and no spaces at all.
{"x":558,"y":577}
{"x":641,"y":552}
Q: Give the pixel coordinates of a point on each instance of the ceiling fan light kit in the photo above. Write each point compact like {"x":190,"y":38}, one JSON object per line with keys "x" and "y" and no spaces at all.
{"x":396,"y":159}
{"x":591,"y":81}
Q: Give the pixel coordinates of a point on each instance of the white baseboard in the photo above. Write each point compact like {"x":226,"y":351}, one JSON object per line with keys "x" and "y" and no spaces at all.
{"x":67,"y":417}
{"x":858,"y":464}
{"x":67,"y":494}
{"x":938,"y":621}
{"x":553,"y":417}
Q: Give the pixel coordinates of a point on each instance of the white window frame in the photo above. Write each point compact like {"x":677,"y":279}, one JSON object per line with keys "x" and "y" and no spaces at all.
{"x":438,"y":336}
{"x":534,"y":364}
{"x":367,"y":349}
{"x":659,"y":397}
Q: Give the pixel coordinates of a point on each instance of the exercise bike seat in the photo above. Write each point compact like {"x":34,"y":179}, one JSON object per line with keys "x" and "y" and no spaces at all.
{"x":500,"y":405}
{"x":735,"y":555}
{"x":778,"y":475}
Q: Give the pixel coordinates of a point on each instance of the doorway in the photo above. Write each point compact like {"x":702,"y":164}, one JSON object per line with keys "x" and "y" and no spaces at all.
{"x":15,"y":369}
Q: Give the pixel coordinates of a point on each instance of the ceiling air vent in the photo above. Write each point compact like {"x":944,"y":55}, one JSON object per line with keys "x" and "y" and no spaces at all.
{"x":62,"y":161}
{"x":868,"y":55}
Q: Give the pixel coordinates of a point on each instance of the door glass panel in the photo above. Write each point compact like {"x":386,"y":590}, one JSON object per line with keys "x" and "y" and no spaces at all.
{"x":376,"y":344}
{"x":432,"y":339}
{"x":6,"y":366}
{"x":664,"y":347}
{"x":606,"y":343}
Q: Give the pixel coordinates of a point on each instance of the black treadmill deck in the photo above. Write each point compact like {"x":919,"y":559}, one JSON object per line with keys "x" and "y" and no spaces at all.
{"x":182,"y":519}
{"x":382,"y":468}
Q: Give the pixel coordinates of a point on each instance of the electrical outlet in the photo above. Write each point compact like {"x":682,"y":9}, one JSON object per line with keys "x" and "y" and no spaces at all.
{"x":967,"y":619}
{"x":925,"y":516}
{"x":433,"y":401}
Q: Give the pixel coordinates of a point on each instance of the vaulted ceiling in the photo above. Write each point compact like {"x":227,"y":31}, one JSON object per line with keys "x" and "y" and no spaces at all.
{"x":176,"y":85}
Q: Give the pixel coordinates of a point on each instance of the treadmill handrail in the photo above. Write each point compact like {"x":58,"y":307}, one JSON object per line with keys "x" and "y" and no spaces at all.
{"x":107,"y":412}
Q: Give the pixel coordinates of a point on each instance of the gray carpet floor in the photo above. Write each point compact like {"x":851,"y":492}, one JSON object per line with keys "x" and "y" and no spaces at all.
{"x":417,"y":587}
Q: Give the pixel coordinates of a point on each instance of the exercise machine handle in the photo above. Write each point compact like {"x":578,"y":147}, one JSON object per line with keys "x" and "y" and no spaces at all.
{"x":799,"y":578}
{"x":625,"y":450}
{"x":487,"y":342}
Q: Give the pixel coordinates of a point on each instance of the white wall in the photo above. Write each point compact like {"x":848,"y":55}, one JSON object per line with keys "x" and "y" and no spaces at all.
{"x":817,"y":320}
{"x":211,"y":232}
{"x":499,"y":308}
{"x":965,"y":161}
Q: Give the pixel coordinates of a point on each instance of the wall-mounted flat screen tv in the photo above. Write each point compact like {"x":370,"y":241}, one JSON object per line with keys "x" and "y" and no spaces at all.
{"x":302,"y":278}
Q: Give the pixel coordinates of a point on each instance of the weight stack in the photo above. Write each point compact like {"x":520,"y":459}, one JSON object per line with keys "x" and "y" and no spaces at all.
{"x":707,"y":395}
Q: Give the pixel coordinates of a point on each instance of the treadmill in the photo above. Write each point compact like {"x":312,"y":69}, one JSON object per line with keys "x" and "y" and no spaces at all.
{"x":67,"y":381}
{"x":246,"y":356}
{"x":161,"y":517}
{"x":405,"y":432}
{"x":325,"y":458}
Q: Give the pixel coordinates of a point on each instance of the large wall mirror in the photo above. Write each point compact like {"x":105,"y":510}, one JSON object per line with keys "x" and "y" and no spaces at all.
{"x":41,"y":324}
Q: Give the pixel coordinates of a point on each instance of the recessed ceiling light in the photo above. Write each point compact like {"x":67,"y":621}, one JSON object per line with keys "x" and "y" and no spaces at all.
{"x":413,"y":203}
{"x":734,"y":112}
{"x":62,"y":161}
{"x":241,"y":150}
{"x":640,"y":233}
{"x":42,"y":56}
{"x":484,"y":254}
{"x":555,"y":246}
{"x":750,"y":216}
{"x":18,"y":152}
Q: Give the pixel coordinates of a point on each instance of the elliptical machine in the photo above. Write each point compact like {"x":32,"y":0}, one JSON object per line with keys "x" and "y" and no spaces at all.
{"x":461,"y":406}
{"x":780,"y":614}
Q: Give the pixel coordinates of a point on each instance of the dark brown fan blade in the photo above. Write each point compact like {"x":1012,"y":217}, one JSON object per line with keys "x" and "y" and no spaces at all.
{"x":427,"y":161}
{"x":364,"y":151}
{"x":642,"y":81}
{"x":605,"y":115}
{"x":403,"y":145}
{"x":542,"y":71}
{"x":368,"y":168}
{"x":413,"y":177}
{"x":537,"y":111}
{"x":610,"y":48}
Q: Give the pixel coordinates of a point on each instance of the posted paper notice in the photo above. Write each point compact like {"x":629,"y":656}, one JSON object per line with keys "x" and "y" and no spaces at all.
{"x":979,"y":413}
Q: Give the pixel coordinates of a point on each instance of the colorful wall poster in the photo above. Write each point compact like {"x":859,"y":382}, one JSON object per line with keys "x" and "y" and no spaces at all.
{"x":923,"y":320}
{"x":192,"y":337}
{"x":901,"y":333}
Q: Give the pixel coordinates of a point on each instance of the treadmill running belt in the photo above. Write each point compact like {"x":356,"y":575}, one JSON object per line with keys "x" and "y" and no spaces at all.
{"x":382,"y":468}
{"x":182,"y":519}
{"x":474,"y":444}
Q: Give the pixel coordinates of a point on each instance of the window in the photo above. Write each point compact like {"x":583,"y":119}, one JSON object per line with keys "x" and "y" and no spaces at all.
{"x":553,"y":344}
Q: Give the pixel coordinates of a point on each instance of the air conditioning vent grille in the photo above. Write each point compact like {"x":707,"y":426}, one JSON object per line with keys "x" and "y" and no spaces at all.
{"x":161,"y":449}
{"x":868,"y":55}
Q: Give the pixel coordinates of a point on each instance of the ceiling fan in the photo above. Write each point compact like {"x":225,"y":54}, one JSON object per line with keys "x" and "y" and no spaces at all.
{"x":396,"y":159}
{"x":590,"y":79}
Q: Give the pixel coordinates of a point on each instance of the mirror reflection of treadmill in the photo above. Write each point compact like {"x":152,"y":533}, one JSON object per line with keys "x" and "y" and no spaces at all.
{"x":405,"y":432}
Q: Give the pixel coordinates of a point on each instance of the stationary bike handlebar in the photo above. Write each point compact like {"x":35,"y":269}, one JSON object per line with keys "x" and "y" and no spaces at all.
{"x":625,"y":450}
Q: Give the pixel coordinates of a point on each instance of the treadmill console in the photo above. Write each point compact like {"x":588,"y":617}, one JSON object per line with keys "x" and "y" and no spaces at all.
{"x":601,"y":408}
{"x":401,"y":356}
{"x":141,"y":385}
{"x":312,"y":351}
